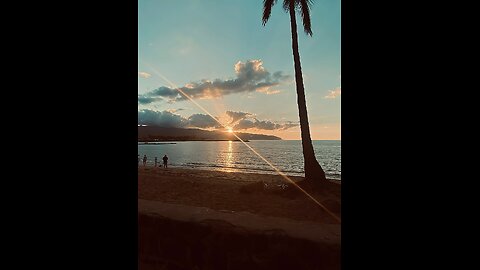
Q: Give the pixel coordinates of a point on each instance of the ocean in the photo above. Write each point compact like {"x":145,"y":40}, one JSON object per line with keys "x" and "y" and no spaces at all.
{"x":234,"y":156}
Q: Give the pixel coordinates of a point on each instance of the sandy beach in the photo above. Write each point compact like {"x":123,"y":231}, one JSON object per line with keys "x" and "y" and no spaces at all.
{"x":254,"y":193}
{"x":199,"y":219}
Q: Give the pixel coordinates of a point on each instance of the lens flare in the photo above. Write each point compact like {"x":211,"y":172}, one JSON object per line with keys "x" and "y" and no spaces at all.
{"x":230,"y":130}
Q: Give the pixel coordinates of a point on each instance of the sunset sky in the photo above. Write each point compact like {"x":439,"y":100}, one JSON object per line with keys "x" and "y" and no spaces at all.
{"x":219,"y":53}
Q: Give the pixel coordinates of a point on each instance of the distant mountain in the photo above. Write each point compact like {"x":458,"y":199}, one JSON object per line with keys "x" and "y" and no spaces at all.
{"x":152,"y":133}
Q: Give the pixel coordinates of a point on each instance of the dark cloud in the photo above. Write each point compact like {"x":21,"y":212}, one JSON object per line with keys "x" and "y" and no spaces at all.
{"x":250,"y":76}
{"x":202,"y":121}
{"x":164,"y":92}
{"x":265,"y":125}
{"x":170,"y":119}
{"x":142,"y":99}
{"x":159,"y":94}
{"x":244,"y":124}
{"x":163,"y":119}
{"x":236,"y":116}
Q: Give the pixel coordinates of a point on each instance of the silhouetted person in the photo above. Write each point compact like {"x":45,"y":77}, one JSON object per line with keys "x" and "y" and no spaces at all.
{"x":138,"y":161}
{"x":165,"y":161}
{"x":156,"y":162}
{"x":144,"y":160}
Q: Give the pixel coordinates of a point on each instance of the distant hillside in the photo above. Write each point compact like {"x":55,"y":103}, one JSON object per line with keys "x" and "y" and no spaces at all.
{"x":151,"y":133}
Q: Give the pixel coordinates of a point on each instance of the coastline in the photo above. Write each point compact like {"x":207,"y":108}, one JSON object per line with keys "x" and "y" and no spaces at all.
{"x":238,"y":170}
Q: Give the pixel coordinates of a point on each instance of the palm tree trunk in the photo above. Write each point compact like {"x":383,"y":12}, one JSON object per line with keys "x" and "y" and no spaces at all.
{"x":313,"y":170}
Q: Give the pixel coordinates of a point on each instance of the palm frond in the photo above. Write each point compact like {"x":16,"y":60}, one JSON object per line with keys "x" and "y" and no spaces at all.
{"x":305,"y":12}
{"x":267,"y":10}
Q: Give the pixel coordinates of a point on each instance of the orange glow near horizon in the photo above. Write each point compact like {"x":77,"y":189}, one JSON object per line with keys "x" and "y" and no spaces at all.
{"x":284,"y":176}
{"x":317,"y":132}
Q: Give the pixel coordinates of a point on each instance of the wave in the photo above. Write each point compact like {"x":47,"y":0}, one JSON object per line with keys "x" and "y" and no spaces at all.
{"x":329,"y":174}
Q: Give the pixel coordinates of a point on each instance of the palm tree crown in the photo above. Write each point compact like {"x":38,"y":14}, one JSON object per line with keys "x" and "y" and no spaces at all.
{"x":302,"y":5}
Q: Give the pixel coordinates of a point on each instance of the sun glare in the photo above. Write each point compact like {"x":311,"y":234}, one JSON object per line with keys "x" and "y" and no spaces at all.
{"x":230,"y":130}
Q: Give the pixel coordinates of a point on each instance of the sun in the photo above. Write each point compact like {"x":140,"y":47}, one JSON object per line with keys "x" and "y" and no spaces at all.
{"x":230,"y":130}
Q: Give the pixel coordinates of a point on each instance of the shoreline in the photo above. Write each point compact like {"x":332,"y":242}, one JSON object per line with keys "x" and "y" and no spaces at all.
{"x":232,"y":170}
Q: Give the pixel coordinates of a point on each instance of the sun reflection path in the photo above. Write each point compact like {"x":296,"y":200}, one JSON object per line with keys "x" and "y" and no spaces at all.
{"x":253,"y":150}
{"x":229,"y":157}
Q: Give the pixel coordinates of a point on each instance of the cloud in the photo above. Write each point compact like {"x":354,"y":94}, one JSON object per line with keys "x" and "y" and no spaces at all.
{"x":334,"y":93}
{"x":159,"y":94}
{"x":175,"y":110}
{"x":247,"y":124}
{"x":289,"y":125}
{"x":268,"y":91}
{"x":144,"y":75}
{"x":243,"y":122}
{"x":168,"y":118}
{"x":265,"y":125}
{"x":236,"y":116}
{"x":250,"y":76}
{"x":163,"y":119}
{"x":147,"y":100}
{"x":202,"y":121}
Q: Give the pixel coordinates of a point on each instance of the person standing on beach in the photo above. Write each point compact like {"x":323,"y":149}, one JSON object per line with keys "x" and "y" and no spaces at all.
{"x":144,"y":160}
{"x":165,"y":160}
{"x":156,"y":161}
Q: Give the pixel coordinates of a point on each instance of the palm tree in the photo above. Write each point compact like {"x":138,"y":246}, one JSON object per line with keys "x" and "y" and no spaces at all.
{"x":313,"y":170}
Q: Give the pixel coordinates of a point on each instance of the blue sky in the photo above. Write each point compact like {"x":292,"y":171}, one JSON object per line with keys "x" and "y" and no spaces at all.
{"x":188,"y":41}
